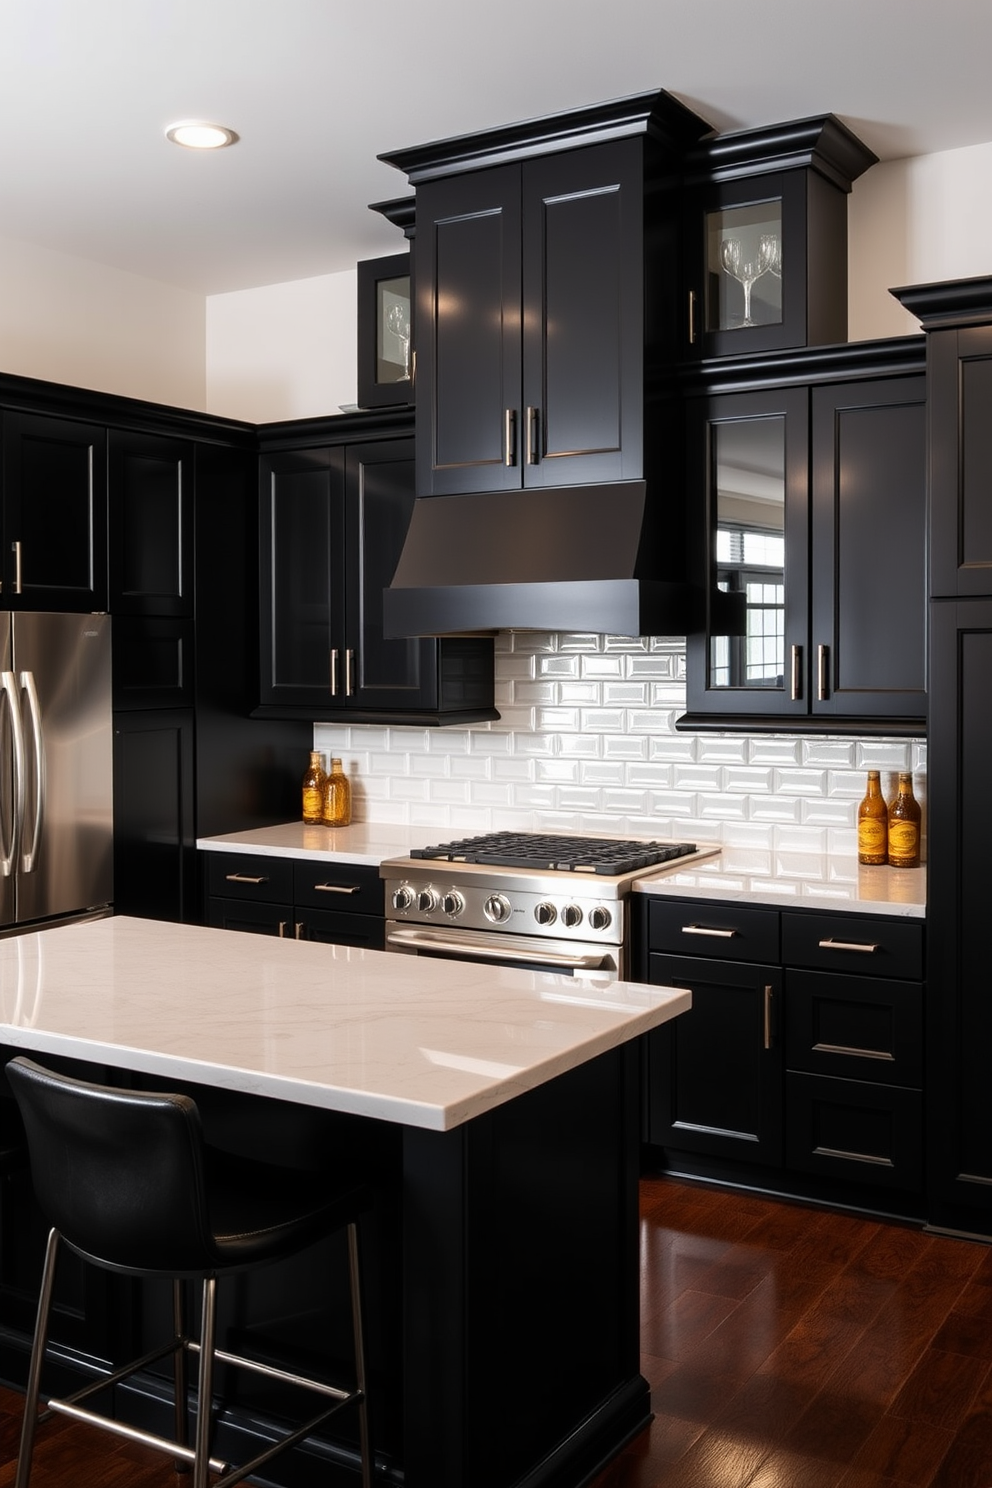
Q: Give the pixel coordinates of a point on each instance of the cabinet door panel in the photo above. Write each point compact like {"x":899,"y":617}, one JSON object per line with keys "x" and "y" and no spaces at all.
{"x":252,"y":919}
{"x":959,"y":403}
{"x":959,"y":1034}
{"x":468,"y":332}
{"x":154,"y":834}
{"x":715,"y":1081}
{"x":151,"y":523}
{"x":55,"y":499}
{"x":854,"y":1130}
{"x":302,"y":602}
{"x":332,"y":928}
{"x":583,"y":316}
{"x":869,"y":545}
{"x":382,"y":674}
{"x":861,"y":1028}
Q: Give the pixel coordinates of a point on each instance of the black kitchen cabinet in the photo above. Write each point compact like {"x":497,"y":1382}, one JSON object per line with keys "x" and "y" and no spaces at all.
{"x":800,"y":1066}
{"x":151,"y":492}
{"x":810,"y":544}
{"x":54,"y":513}
{"x":766,"y":237}
{"x":299,"y":899}
{"x":332,"y":519}
{"x":547,"y":260}
{"x":155,"y":814}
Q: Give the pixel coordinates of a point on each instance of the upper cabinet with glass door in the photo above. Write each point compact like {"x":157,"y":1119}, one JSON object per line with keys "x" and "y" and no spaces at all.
{"x":766,"y":237}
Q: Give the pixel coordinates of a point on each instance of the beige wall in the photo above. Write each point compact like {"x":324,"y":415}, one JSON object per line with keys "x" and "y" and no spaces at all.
{"x":68,"y":320}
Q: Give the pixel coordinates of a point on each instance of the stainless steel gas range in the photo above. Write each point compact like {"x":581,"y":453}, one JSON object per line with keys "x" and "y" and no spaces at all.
{"x":555,"y":902}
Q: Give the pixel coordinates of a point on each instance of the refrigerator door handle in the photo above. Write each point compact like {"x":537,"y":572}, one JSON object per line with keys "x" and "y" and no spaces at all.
{"x":26,"y":680}
{"x":9,"y":850}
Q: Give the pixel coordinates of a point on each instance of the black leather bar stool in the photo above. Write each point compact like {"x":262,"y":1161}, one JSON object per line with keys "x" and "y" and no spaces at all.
{"x":128,"y":1182}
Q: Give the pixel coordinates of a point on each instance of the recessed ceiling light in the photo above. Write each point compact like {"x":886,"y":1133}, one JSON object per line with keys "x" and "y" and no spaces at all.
{"x":196,"y":134}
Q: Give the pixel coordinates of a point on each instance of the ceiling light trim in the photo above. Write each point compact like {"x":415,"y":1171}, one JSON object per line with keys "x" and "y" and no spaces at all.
{"x":201,"y":134}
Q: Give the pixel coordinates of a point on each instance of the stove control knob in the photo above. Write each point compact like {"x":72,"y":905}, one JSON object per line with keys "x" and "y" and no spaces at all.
{"x":427,"y":900}
{"x":545,"y":914}
{"x":600,"y":918}
{"x":572,"y":915}
{"x":497,"y":908}
{"x":403,"y":897}
{"x":452,"y":903}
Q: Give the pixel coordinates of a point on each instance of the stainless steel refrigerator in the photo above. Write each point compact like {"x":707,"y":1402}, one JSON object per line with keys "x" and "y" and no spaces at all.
{"x":56,"y":767}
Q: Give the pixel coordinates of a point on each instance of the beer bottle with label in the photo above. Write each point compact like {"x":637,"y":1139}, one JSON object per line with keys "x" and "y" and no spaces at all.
{"x":337,"y":797}
{"x":873,"y":824}
{"x":904,"y":826}
{"x":313,"y":788}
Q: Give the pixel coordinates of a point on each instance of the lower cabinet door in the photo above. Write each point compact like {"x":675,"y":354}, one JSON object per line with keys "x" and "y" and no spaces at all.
{"x":855,"y":1130}
{"x":335,"y":928}
{"x":154,"y":836}
{"x":715,"y":1073}
{"x":256,"y":919}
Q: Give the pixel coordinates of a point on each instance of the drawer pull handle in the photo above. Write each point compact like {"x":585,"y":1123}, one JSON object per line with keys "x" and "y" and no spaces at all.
{"x":337,"y":888}
{"x":298,"y":930}
{"x":282,"y":929}
{"x":705,"y":930}
{"x":244,"y":878}
{"x":854,"y":1053}
{"x":796,"y":674}
{"x":865,"y":1157}
{"x":768,"y":1016}
{"x":848,"y":945}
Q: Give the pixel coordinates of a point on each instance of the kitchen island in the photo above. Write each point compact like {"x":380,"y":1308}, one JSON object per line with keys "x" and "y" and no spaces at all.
{"x":500,"y":1108}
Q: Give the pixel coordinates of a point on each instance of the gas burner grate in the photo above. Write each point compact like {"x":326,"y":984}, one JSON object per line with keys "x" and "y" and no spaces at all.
{"x":611,"y":856}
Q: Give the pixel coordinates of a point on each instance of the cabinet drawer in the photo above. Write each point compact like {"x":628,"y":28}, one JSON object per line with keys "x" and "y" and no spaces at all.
{"x":854,"y":1130}
{"x":353,"y":887}
{"x":726,"y":931}
{"x":251,"y":917}
{"x":858,"y":1028}
{"x":853,"y":943}
{"x":250,"y":876}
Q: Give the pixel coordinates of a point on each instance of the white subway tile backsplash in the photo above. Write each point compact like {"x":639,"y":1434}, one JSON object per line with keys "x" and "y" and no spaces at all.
{"x":587,"y":741}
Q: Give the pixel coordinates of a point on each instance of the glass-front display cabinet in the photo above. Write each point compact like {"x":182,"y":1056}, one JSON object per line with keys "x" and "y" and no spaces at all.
{"x":750,"y":456}
{"x":765,"y":247}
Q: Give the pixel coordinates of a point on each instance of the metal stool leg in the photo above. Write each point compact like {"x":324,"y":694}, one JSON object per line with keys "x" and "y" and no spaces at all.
{"x":30,"y":1422}
{"x":201,"y":1465}
{"x":180,"y":1372}
{"x":356,"y":1319}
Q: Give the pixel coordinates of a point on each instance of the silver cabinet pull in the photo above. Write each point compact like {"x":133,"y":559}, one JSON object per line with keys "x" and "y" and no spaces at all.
{"x":510,"y":437}
{"x":797,"y":673}
{"x":282,"y":929}
{"x":334,"y":672}
{"x":853,"y":1053}
{"x":337,"y":888}
{"x":692,"y":317}
{"x":16,"y":546}
{"x":705,"y":930}
{"x":848,"y":945}
{"x":349,"y":672}
{"x":298,"y":928}
{"x":243,"y":878}
{"x":769,"y":993}
{"x":822,"y":673}
{"x":533,"y":424}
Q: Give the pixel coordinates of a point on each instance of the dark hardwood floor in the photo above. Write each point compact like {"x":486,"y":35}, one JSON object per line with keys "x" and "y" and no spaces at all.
{"x":786,"y":1347}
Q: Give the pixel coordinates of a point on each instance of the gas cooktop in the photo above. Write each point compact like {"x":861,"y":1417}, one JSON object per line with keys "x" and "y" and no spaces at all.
{"x":532,"y":850}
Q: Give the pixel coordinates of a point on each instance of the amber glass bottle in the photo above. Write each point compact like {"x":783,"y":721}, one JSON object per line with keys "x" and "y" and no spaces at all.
{"x":873,"y":824}
{"x":313,"y":789}
{"x":337,"y":797}
{"x":904,"y":826}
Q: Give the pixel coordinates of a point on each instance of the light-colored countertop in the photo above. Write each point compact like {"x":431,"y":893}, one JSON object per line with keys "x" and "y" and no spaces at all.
{"x":796,"y":881}
{"x":363,"y":842}
{"x":403,"y":1039}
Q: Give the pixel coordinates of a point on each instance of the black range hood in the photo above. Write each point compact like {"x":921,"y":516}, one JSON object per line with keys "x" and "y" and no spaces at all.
{"x":565,"y":558}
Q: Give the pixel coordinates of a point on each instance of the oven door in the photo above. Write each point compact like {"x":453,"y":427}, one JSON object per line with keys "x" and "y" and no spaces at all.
{"x":534,"y":952}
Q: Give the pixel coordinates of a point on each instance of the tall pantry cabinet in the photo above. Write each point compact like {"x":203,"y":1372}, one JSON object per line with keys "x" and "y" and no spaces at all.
{"x":958,"y":320}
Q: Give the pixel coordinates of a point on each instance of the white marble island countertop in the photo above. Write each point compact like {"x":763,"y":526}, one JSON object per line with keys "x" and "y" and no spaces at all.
{"x":403,"y":1039}
{"x":796,"y":881}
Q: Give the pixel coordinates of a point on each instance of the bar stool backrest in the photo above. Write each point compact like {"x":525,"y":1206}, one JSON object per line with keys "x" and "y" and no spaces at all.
{"x":120,"y":1173}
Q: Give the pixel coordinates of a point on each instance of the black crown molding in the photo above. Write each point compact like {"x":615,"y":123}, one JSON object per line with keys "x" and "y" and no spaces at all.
{"x":401,"y":211}
{"x":954,"y":302}
{"x":338,"y":428}
{"x":804,"y":365}
{"x":822,"y":143}
{"x":658,"y":115}
{"x":32,"y":395}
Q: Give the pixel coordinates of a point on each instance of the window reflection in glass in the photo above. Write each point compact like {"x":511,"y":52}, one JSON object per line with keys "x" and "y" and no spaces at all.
{"x":747,"y":606}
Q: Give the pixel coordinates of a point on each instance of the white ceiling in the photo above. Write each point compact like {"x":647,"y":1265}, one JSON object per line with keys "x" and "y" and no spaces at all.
{"x":317,"y":88}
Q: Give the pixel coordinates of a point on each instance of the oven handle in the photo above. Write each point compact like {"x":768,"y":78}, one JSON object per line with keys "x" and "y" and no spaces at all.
{"x":479,"y":951}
